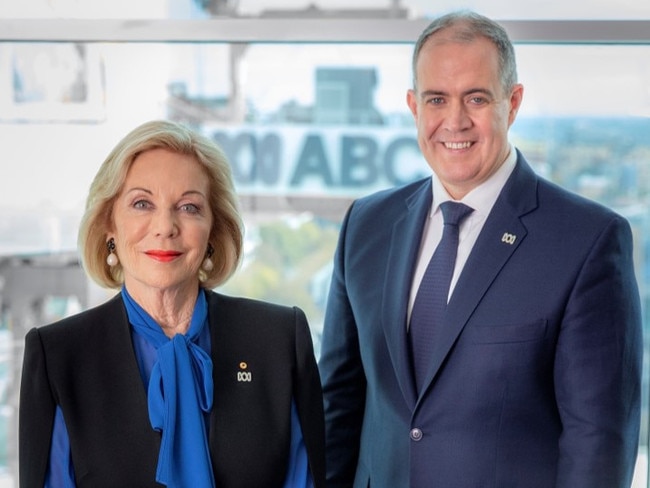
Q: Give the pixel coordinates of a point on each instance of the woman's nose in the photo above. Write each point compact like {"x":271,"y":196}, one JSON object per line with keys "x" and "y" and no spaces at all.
{"x":165,"y":224}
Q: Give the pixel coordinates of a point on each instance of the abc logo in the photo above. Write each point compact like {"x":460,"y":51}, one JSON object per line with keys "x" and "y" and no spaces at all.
{"x":508,"y":238}
{"x":244,"y":376}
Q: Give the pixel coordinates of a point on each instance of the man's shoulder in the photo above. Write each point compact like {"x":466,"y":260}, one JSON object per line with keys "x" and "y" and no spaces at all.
{"x":557,"y":197}
{"x":394,"y":197}
{"x":554,"y":197}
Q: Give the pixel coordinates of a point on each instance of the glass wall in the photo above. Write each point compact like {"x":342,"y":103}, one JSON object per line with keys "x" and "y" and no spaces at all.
{"x":308,"y":126}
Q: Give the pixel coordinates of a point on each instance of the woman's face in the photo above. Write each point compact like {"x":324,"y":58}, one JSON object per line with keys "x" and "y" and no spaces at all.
{"x":162,"y":221}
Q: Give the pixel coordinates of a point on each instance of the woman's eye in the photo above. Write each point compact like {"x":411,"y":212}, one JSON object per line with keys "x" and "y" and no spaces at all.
{"x":190,"y":208}
{"x":141,"y":204}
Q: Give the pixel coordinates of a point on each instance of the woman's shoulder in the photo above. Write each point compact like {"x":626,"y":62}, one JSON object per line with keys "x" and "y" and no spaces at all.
{"x":242,"y":316}
{"x":86,"y":321}
{"x":236,"y":304}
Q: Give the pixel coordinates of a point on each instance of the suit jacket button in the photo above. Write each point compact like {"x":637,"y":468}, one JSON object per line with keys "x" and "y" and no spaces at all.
{"x":416,"y":434}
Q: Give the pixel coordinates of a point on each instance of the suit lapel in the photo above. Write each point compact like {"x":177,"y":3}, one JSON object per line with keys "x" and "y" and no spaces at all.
{"x":403,"y":250}
{"x":491,"y":252}
{"x":126,"y":375}
{"x":117,"y":336}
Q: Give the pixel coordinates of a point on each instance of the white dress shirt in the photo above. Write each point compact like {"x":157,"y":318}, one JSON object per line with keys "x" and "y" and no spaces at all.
{"x":481,"y":199}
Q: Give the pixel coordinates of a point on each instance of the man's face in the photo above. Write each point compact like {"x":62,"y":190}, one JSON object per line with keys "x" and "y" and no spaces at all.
{"x":461,"y":112}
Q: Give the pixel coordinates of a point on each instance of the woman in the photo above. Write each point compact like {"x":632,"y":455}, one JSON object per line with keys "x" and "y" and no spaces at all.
{"x":168,"y":383}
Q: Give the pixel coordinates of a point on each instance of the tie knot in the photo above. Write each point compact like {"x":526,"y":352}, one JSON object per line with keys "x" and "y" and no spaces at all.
{"x":454,"y":212}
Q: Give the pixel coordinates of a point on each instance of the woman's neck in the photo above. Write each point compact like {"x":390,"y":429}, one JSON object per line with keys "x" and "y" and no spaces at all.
{"x":172,"y":309}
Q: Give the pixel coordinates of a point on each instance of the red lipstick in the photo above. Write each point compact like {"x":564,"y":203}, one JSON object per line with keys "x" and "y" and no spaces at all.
{"x":163,"y":256}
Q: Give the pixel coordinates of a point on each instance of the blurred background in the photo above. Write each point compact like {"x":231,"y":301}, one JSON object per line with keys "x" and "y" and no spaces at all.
{"x":308,"y":99}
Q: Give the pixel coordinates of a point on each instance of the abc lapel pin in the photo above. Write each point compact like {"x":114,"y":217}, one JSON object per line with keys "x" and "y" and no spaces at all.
{"x":508,"y":238}
{"x":243,"y":375}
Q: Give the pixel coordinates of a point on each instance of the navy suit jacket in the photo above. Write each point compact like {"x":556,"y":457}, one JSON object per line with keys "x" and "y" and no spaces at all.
{"x":535,"y":379}
{"x":86,"y":365}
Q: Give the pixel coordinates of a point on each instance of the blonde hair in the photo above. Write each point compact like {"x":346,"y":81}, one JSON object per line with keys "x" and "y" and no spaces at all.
{"x":226,"y":235}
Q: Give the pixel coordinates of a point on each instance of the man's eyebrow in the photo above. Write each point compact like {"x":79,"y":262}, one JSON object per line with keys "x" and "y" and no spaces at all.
{"x":471,"y":91}
{"x":429,"y":93}
{"x":484,"y":91}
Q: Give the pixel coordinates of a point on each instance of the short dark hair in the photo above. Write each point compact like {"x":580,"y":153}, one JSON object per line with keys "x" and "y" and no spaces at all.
{"x":466,"y":26}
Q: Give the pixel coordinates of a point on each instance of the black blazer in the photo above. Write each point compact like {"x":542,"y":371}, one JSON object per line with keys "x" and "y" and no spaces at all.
{"x":86,"y":364}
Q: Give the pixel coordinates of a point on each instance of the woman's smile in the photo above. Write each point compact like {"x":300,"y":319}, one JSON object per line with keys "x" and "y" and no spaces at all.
{"x":161,"y":255}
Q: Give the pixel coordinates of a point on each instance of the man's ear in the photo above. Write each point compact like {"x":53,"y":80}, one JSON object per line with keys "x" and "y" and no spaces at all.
{"x":516,"y":97}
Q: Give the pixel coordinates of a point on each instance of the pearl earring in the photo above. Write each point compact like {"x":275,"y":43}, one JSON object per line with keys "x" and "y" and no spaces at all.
{"x":111,"y":260}
{"x":207,"y":264}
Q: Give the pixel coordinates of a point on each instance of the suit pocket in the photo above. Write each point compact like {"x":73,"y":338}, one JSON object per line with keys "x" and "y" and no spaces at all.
{"x":506,"y":333}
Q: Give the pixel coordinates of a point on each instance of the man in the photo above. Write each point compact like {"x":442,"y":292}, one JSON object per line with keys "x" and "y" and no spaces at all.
{"x":532,"y":377}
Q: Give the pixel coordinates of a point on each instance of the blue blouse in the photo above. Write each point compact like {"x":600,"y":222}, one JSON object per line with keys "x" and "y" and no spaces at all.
{"x":60,"y":472}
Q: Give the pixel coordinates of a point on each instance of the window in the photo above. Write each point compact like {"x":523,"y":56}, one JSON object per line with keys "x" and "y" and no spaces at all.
{"x":310,"y":119}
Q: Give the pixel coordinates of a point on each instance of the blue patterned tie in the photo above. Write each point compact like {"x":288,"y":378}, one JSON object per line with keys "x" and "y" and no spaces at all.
{"x":431,"y":299}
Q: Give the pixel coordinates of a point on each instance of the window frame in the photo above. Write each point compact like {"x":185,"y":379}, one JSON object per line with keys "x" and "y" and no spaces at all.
{"x":300,"y":30}
{"x":237,"y":30}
